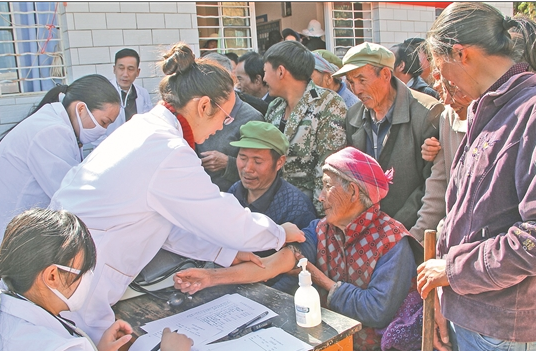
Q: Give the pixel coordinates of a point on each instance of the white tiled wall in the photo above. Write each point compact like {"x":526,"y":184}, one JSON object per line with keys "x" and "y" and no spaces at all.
{"x":94,"y":31}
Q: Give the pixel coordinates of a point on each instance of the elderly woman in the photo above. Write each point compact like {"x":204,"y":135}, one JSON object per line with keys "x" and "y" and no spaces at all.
{"x":359,"y":257}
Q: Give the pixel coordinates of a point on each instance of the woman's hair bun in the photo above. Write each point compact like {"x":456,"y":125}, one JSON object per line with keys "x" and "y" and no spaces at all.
{"x":178,"y":60}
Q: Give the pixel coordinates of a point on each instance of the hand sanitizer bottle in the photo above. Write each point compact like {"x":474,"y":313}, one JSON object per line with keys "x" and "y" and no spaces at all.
{"x":307,"y":300}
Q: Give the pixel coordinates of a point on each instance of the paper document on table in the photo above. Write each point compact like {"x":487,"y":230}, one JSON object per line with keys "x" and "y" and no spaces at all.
{"x":212,"y":320}
{"x":271,"y":339}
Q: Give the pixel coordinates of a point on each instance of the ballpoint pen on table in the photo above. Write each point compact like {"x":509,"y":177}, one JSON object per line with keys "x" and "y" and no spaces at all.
{"x":245,"y":325}
{"x":254,"y":328}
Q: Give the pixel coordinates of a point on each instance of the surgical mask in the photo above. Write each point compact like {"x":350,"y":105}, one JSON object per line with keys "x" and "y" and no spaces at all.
{"x":77,"y":299}
{"x":89,"y":135}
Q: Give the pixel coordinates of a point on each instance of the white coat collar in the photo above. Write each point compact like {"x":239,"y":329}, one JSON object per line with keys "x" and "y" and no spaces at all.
{"x":31,"y":313}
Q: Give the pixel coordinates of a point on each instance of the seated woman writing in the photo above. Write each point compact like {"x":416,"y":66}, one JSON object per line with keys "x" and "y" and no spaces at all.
{"x":46,"y":266}
{"x":359,"y":257}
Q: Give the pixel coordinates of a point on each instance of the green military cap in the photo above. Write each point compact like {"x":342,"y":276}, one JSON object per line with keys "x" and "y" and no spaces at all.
{"x":366,"y":54}
{"x":262,"y":135}
{"x":330,"y":57}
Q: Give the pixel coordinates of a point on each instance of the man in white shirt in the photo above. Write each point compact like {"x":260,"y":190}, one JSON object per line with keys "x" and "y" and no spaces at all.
{"x":134,"y":98}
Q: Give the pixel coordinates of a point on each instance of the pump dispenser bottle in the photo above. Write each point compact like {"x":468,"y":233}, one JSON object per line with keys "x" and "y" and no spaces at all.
{"x":306,"y":299}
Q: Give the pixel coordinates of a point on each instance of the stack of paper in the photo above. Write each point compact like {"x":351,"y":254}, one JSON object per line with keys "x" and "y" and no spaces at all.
{"x":215,"y":319}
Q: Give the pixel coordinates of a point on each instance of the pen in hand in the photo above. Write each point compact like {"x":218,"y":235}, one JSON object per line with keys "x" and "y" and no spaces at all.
{"x":245,"y":325}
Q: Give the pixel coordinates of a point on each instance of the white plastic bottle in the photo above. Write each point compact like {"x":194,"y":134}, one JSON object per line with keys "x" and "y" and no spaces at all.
{"x":306,"y":299}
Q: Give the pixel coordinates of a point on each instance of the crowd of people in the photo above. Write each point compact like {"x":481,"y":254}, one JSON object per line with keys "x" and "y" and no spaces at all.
{"x":254,"y":162}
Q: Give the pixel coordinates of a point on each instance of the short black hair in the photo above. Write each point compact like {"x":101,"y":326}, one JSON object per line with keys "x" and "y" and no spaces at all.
{"x":127,"y":53}
{"x":292,"y":55}
{"x":408,"y":54}
{"x":233,"y":57}
{"x":253,"y":65}
{"x":289,"y":31}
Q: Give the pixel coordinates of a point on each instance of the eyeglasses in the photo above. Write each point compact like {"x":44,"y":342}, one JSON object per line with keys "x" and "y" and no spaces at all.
{"x":228,"y":119}
{"x":68,"y":269}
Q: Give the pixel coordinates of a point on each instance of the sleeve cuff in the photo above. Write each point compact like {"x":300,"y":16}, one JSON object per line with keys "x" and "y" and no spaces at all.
{"x":332,"y":292}
{"x":225,"y":257}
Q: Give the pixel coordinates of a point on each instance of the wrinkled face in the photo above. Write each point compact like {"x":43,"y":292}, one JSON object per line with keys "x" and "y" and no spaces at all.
{"x":335,"y":200}
{"x":126,"y":71}
{"x":271,"y":78}
{"x":244,"y":81}
{"x":454,"y":97}
{"x":257,"y":168}
{"x":369,"y":87}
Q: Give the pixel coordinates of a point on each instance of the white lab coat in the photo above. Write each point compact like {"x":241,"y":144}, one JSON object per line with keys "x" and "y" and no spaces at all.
{"x":143,"y":105}
{"x":143,"y":188}
{"x":25,"y":326}
{"x":34,"y":158}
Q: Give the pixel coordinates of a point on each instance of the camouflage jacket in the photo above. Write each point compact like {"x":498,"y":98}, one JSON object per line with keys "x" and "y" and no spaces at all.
{"x":315,"y":130}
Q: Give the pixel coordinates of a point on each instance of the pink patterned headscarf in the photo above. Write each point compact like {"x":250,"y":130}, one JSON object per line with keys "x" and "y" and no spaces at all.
{"x":356,"y":165}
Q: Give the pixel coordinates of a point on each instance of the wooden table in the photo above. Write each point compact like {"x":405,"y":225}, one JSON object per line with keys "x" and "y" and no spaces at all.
{"x":333,"y":334}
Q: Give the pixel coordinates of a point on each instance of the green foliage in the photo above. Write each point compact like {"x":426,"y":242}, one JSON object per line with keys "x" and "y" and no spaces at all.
{"x":526,"y":7}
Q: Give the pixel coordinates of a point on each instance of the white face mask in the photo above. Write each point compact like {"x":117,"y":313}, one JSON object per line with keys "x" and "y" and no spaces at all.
{"x":89,"y":135}
{"x":79,"y":296}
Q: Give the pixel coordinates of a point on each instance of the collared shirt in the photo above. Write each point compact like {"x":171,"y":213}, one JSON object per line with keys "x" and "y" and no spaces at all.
{"x":377,"y":131}
{"x":130,"y":104}
{"x":515,"y":69}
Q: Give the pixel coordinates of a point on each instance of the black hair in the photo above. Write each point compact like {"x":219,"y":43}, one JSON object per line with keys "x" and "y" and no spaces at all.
{"x":94,"y":90}
{"x":295,"y":57}
{"x":253,"y":65}
{"x":127,"y":53}
{"x":409,"y":55}
{"x":288,"y":31}
{"x":187,"y":78}
{"x":274,"y":37}
{"x":232,"y":56}
{"x":482,"y":25}
{"x":38,"y":238}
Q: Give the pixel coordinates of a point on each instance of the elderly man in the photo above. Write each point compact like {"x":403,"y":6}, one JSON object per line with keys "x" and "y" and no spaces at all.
{"x":312,"y":118}
{"x":250,"y":74}
{"x":359,"y":257}
{"x":261,"y":156}
{"x":390,"y":123}
{"x":323,"y":77}
{"x":217,"y":155}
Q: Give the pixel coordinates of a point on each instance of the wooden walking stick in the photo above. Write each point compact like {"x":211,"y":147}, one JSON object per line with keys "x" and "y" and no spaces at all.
{"x":428,"y":323}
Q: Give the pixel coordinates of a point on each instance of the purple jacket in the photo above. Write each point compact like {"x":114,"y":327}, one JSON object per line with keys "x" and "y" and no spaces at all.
{"x":489,"y":235}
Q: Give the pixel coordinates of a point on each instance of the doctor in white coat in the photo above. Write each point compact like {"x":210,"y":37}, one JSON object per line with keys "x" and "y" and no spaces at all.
{"x":46,"y":265}
{"x":144,"y":188}
{"x":134,"y":98}
{"x":36,"y":154}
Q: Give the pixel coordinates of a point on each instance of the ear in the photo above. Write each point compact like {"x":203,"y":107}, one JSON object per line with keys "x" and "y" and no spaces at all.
{"x":459,"y":52}
{"x":281,"y":71}
{"x":354,"y":191}
{"x":280,"y":162}
{"x":203,"y":106}
{"x":80,"y":108}
{"x":258,"y":79}
{"x":400,"y":67}
{"x":138,"y":73}
{"x":51,"y":277}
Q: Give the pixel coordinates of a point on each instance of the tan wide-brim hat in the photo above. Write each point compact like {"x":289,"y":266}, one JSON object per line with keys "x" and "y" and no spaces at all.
{"x":366,"y":54}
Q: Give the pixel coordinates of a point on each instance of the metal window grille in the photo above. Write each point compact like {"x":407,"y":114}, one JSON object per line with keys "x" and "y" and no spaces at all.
{"x":230,"y":25}
{"x":349,"y":24}
{"x":31,"y":54}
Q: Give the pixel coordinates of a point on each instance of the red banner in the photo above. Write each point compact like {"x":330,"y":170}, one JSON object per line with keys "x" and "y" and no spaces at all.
{"x":436,"y":4}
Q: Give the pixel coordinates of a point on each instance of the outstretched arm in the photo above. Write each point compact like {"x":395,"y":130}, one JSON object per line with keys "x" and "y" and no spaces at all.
{"x":193,"y":280}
